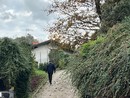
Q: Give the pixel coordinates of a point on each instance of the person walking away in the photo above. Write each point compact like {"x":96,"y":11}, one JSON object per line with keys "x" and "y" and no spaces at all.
{"x":50,"y":70}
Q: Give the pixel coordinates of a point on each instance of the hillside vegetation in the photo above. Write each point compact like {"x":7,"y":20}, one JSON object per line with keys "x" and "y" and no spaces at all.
{"x":101,"y":67}
{"x":103,"y":72}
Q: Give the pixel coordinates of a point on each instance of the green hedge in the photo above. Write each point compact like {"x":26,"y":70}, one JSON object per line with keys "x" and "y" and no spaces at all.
{"x":15,"y":66}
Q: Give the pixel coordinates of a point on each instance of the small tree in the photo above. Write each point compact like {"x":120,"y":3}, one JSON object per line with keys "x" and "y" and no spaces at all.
{"x":14,"y":65}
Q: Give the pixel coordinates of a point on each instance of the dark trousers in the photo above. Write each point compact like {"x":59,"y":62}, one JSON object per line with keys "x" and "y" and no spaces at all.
{"x":50,"y":77}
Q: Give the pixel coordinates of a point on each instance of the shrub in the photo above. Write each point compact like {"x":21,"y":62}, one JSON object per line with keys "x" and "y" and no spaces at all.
{"x":43,"y":66}
{"x":61,"y":63}
{"x":85,"y":48}
{"x":59,"y":58}
{"x":114,"y":11}
{"x":22,"y":85}
{"x":15,"y":67}
{"x":105,"y":72}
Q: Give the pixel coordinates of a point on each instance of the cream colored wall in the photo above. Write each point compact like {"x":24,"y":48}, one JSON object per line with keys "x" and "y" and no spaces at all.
{"x":41,"y":53}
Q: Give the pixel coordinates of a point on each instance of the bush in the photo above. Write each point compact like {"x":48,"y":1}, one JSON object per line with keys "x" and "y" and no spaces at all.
{"x":85,"y":48}
{"x":43,"y":66}
{"x":105,"y":72}
{"x":22,"y":85}
{"x":15,"y":66}
{"x":59,"y":58}
{"x":114,"y":11}
{"x":61,"y":63}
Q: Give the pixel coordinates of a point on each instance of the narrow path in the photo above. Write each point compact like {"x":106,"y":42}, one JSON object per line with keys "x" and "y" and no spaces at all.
{"x":61,"y":87}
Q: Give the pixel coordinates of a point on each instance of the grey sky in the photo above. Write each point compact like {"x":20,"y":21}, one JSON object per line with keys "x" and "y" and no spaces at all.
{"x":19,"y":17}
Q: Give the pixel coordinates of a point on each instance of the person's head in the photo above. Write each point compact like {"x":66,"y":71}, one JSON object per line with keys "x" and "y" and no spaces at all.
{"x":50,"y":61}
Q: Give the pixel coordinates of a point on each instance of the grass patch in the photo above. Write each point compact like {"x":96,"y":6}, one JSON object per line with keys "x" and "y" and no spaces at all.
{"x":38,"y":78}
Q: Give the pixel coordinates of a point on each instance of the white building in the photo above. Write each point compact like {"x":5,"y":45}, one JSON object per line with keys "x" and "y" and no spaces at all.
{"x":41,"y":51}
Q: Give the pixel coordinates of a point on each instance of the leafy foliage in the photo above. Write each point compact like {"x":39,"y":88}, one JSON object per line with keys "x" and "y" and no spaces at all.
{"x":12,"y":61}
{"x":16,"y":66}
{"x":75,"y":20}
{"x":114,"y":11}
{"x":89,"y":45}
{"x":43,"y":66}
{"x":23,"y":80}
{"x":22,"y":84}
{"x":105,"y":72}
{"x":28,"y":39}
{"x":59,"y":58}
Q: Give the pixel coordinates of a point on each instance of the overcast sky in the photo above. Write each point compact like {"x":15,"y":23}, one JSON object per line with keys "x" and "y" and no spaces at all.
{"x":19,"y":17}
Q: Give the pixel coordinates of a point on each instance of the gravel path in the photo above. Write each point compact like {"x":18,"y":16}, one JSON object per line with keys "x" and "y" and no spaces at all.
{"x":61,"y":87}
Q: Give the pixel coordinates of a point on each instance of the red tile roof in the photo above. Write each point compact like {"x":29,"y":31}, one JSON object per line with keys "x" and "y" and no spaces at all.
{"x":35,"y":43}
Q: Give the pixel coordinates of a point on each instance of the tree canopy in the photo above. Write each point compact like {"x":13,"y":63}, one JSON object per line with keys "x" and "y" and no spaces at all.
{"x":76,"y":19}
{"x":12,"y":61}
{"x":28,"y":39}
{"x":15,"y":66}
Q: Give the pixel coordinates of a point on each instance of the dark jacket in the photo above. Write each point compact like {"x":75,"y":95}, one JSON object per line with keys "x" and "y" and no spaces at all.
{"x":51,"y":68}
